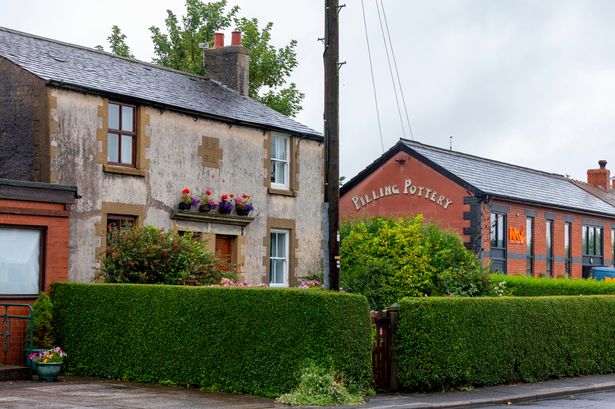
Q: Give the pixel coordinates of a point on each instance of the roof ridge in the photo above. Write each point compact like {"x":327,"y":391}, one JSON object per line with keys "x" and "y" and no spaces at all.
{"x":467,"y":155}
{"x":106,"y":53}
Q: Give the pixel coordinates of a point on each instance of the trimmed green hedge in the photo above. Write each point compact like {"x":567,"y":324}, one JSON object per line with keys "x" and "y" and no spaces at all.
{"x":523,"y":286}
{"x":453,"y":342}
{"x":253,"y":340}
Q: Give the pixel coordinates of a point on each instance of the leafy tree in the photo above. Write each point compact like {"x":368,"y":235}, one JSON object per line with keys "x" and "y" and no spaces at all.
{"x":117,"y":43}
{"x":148,"y":255}
{"x":177,"y":47}
{"x":386,"y":260}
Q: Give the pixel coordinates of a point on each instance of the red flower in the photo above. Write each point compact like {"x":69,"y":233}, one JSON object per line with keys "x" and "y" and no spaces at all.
{"x":232,"y":195}
{"x":186,"y":191}
{"x":224,"y":197}
{"x":244,"y":196}
{"x":207,"y":192}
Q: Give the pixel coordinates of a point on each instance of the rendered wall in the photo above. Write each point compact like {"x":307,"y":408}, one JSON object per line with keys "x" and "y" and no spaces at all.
{"x":173,"y":160}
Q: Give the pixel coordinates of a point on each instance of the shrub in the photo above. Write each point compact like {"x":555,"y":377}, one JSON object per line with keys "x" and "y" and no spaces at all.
{"x":454,"y":342}
{"x":386,"y":260}
{"x":148,"y":255}
{"x":321,"y":387}
{"x":42,"y":328}
{"x":523,"y":286}
{"x":253,"y":340}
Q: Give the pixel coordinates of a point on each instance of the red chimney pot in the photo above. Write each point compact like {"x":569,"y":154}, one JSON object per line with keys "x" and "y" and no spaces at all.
{"x":218,"y":40}
{"x":236,"y":38}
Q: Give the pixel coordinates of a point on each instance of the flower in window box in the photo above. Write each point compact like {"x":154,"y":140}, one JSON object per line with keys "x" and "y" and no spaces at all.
{"x":207,"y":202}
{"x":225,"y":206}
{"x":243,"y":205}
{"x":185,"y":202}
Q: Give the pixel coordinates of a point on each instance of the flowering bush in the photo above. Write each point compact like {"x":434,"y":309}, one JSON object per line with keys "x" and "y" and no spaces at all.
{"x":244,"y":203}
{"x":186,"y":198}
{"x":49,"y":355}
{"x":310,"y":284}
{"x":226,"y":282}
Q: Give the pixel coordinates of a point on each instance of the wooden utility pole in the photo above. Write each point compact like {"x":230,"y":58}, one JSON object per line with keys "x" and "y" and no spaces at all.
{"x":331,"y":127}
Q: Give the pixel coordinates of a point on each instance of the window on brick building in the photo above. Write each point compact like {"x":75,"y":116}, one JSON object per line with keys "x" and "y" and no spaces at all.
{"x":121,"y":134}
{"x":21,"y":261}
{"x":529,"y":246}
{"x":613,"y":247}
{"x":591,"y":248}
{"x":549,"y":247}
{"x":497,"y":252}
{"x":567,"y":249}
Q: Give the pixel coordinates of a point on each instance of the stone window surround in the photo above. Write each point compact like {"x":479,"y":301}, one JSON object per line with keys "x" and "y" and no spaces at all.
{"x":141,"y":143}
{"x":137,"y":211}
{"x":293,"y":245}
{"x":293,"y":166}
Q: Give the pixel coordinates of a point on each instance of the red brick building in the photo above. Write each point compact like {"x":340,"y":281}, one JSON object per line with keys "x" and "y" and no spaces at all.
{"x":520,"y":220}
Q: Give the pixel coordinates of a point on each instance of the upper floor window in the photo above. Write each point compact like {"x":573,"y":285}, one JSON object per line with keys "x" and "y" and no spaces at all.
{"x":121,"y":134}
{"x":280,"y":161}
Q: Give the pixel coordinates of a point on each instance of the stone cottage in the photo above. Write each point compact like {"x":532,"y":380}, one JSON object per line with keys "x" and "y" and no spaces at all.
{"x":131,"y":135}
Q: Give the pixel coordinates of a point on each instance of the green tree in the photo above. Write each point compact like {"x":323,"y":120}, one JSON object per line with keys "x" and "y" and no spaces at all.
{"x":386,"y":260}
{"x":117,"y":43}
{"x":177,"y":47}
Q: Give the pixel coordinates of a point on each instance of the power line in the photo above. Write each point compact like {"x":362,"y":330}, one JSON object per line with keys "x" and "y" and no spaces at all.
{"x":401,"y":90}
{"x":371,"y":68}
{"x":386,"y":48}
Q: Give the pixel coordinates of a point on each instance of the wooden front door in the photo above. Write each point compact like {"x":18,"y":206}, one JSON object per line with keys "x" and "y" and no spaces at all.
{"x":224,"y":247}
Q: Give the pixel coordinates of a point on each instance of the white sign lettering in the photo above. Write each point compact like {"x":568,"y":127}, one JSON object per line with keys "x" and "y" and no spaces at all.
{"x":410,"y":189}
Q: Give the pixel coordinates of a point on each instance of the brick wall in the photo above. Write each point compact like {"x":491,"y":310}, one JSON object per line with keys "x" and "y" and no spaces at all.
{"x":53,"y":217}
{"x":516,"y":218}
{"x":438,"y":198}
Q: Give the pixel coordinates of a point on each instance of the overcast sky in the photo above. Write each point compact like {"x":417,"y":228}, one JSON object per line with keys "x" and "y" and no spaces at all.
{"x":527,"y":82}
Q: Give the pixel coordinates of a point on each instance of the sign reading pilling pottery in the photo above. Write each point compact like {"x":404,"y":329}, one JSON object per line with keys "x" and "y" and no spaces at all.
{"x":409,"y":189}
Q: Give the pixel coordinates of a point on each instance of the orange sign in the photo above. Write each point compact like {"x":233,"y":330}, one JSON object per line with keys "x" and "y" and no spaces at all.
{"x":516,"y":235}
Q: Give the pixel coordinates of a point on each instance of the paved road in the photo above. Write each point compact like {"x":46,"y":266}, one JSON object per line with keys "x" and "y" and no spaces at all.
{"x":599,"y":400}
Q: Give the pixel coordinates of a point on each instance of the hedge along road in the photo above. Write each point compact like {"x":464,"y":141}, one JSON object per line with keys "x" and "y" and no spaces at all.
{"x":77,"y":392}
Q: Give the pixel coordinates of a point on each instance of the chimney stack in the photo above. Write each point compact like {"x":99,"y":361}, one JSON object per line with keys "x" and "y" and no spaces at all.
{"x":600,"y":177}
{"x":229,"y":65}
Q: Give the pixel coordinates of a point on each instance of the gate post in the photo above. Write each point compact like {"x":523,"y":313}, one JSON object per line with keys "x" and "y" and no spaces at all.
{"x":393,"y":318}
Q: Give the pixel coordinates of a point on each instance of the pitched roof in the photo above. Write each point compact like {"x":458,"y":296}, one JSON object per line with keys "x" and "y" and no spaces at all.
{"x":498,"y":179}
{"x":72,"y":66}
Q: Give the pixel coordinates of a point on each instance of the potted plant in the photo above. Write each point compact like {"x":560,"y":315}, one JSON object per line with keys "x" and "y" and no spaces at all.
{"x":185,"y":202}
{"x":207,"y":203}
{"x":42,"y":330}
{"x":226,"y":204}
{"x":48,"y":363}
{"x":243,"y":205}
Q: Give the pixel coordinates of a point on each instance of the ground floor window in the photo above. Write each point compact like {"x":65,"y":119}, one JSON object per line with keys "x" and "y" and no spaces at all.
{"x":498,"y":242}
{"x":120,"y":221}
{"x":278,"y":258}
{"x":21,"y":260}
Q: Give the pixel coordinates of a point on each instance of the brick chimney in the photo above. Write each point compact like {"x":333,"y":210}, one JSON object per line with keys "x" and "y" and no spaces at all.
{"x":229,"y":65}
{"x":600,"y":177}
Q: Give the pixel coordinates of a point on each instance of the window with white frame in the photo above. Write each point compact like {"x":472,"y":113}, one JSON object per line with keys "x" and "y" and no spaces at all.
{"x":280,"y":161}
{"x":20,"y":261}
{"x":278,"y":258}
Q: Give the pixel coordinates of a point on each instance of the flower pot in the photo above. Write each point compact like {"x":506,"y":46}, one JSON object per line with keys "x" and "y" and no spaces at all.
{"x":184,"y":206}
{"x":225,"y":209}
{"x":204,"y":208}
{"x":242,"y":211}
{"x":48,"y":371}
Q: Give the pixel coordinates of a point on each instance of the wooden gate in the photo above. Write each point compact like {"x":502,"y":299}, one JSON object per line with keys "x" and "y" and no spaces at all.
{"x":384,"y":363}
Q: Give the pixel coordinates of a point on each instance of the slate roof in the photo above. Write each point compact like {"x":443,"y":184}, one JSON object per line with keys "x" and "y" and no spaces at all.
{"x":498,"y":179}
{"x":72,"y":66}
